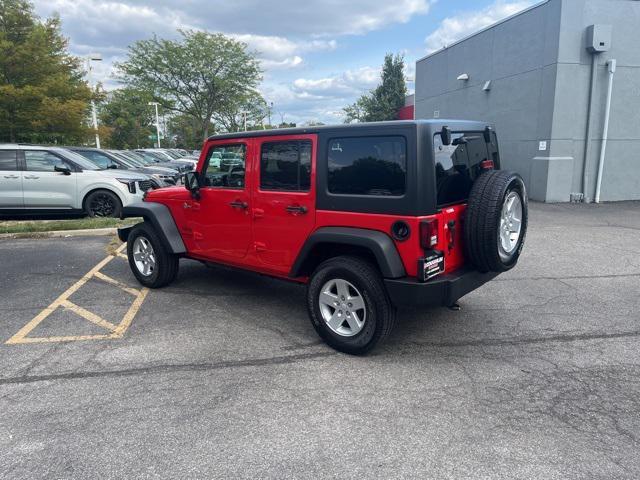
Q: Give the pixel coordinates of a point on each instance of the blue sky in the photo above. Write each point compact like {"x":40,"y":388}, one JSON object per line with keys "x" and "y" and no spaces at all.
{"x":317,"y":55}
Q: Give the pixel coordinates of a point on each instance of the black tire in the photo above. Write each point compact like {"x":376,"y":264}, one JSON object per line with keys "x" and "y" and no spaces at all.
{"x":379,"y":316}
{"x":103,"y":203}
{"x":483,"y":221}
{"x":166,"y":263}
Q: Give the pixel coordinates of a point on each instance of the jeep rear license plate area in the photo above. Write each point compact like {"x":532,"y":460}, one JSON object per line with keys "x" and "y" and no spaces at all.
{"x":431,"y":265}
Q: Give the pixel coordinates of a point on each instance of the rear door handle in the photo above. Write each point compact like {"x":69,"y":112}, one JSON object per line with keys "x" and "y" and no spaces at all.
{"x":239,"y":204}
{"x":298,"y":209}
{"x":11,"y":176}
{"x":30,"y":177}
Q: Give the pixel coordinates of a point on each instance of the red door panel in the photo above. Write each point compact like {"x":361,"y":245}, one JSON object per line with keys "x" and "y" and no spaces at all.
{"x":282,"y":219}
{"x":220,"y":220}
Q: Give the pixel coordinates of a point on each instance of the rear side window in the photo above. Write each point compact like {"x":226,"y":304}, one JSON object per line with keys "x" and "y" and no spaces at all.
{"x":8,"y":160}
{"x":458,"y":165}
{"x":42,"y":161}
{"x":286,"y":166}
{"x":367,"y":165}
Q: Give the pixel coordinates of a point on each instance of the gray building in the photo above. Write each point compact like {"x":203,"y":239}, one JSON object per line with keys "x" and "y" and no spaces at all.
{"x":539,"y":76}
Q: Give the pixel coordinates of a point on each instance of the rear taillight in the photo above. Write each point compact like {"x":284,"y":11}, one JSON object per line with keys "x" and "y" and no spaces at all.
{"x":486,"y":165}
{"x":429,"y":233}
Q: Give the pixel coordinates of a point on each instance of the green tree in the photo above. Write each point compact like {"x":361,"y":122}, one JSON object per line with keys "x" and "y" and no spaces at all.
{"x":186,"y":132}
{"x":231,"y":117}
{"x":386,"y":99}
{"x":198,"y":75}
{"x":127,"y":113}
{"x":43,"y":97}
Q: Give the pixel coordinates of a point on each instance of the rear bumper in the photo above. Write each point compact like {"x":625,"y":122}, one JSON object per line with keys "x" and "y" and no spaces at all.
{"x":443,"y":290}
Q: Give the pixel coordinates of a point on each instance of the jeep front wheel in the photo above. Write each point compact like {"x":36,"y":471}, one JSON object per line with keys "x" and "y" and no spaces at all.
{"x":151,"y":263}
{"x":348,"y":305}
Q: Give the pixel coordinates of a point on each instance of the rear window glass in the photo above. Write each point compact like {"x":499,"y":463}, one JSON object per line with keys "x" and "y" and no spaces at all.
{"x":367,"y":165}
{"x":286,"y":166}
{"x":458,"y":165}
{"x":8,"y":160}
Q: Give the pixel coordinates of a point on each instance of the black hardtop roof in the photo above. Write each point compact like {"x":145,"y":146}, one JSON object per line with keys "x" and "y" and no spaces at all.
{"x":433,"y":125}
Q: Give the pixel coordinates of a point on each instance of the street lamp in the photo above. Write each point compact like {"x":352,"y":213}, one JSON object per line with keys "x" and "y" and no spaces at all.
{"x":155,"y":104}
{"x":93,"y":57}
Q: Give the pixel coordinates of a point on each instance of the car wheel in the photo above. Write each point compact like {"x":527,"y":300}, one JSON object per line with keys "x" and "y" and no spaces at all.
{"x":496,"y":221}
{"x":151,"y":263}
{"x":103,"y":203}
{"x":348,"y":305}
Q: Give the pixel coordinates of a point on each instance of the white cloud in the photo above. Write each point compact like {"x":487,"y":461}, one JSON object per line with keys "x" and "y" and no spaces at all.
{"x":349,"y":83}
{"x":456,"y":27}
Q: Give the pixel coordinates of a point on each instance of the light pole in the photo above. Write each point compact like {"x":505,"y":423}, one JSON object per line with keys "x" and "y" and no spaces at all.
{"x":95,"y":57}
{"x":155,"y":104}
{"x":270,"y":108}
{"x":244,"y":114}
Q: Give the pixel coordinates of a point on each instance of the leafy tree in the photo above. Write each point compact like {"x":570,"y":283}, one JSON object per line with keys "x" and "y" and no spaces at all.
{"x":127,"y":113}
{"x":231,"y":117}
{"x":186,"y":133}
{"x":43,"y":97}
{"x":198,"y":75}
{"x":386,"y":99}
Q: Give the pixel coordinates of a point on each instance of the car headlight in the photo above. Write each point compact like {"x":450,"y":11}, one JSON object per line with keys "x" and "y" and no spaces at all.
{"x":131,"y":184}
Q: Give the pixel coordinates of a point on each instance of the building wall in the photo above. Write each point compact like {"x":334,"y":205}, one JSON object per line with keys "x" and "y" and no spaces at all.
{"x":539,"y":71}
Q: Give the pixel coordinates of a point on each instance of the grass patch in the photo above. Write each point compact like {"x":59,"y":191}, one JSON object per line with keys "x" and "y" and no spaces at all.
{"x":35,"y":226}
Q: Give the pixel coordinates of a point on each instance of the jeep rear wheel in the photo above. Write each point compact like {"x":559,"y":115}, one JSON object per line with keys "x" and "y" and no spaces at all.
{"x":496,"y":221}
{"x":348,"y":305}
{"x":151,"y":263}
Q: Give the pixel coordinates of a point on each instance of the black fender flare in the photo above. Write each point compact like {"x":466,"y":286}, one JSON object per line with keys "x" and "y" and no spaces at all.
{"x":159,"y":216}
{"x":378,"y":243}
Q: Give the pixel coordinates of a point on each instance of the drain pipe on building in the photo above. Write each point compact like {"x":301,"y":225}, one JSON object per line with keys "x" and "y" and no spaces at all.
{"x":605,"y":130}
{"x":587,"y":135}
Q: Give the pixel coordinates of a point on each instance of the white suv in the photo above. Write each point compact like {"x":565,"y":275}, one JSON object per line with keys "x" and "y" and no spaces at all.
{"x":38,"y":179}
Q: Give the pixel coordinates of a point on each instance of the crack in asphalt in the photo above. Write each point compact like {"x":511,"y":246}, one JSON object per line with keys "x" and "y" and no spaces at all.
{"x":188,"y":367}
{"x":493,"y":342}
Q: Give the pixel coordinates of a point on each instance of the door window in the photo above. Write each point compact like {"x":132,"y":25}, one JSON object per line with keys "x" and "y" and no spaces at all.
{"x":368,"y":165}
{"x":98,"y":158}
{"x":42,"y":161}
{"x":458,"y":165}
{"x":286,"y":166}
{"x":226,"y":166}
{"x":8,"y":160}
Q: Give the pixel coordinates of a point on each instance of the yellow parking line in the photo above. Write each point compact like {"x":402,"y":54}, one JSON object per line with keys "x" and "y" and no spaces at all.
{"x":118,"y":284}
{"x":117,"y":331}
{"x":87,"y":315}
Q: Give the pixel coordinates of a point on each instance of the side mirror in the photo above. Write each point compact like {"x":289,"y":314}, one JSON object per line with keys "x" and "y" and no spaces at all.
{"x":487,"y":134}
{"x":113,"y":166}
{"x":192,"y":183}
{"x":445,"y":134}
{"x":64,"y":169}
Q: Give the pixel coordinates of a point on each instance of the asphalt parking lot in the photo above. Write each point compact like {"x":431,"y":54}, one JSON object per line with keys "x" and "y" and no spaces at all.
{"x":221,"y":375}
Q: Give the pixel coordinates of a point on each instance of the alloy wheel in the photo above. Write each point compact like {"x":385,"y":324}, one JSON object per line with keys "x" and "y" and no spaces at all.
{"x":143,"y":256}
{"x":342,"y":307}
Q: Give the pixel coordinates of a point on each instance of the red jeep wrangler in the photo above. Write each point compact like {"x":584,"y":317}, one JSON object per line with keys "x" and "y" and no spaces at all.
{"x":370,"y":216}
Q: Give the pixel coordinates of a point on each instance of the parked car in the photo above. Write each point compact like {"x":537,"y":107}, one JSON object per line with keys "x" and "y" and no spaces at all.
{"x":50,"y":179}
{"x":371,"y":217}
{"x":160,"y":177}
{"x":164,"y":157}
{"x":152,"y":159}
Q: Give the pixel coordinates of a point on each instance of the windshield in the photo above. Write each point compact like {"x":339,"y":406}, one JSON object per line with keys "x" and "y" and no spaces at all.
{"x":79,"y":160}
{"x":129,"y":163}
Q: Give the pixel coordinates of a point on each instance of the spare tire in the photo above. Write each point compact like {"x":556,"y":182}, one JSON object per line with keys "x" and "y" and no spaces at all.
{"x":496,"y":221}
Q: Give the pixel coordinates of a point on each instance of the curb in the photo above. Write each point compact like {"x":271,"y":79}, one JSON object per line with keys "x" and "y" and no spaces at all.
{"x":89,"y":232}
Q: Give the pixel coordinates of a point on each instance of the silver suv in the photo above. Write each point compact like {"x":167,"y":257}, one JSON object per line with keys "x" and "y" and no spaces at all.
{"x":38,"y":179}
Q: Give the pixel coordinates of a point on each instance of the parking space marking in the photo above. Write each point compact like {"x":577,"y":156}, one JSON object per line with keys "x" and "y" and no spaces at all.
{"x":115,"y":331}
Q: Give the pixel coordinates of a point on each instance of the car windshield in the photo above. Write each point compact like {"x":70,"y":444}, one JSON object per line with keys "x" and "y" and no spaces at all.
{"x":135,"y":157}
{"x":129,"y":163}
{"x":78,"y":159}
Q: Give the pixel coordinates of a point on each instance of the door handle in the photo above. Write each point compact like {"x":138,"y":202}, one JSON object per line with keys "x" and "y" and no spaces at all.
{"x":297,"y":209}
{"x":30,"y":177}
{"x":11,"y":176}
{"x":239,"y":204}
